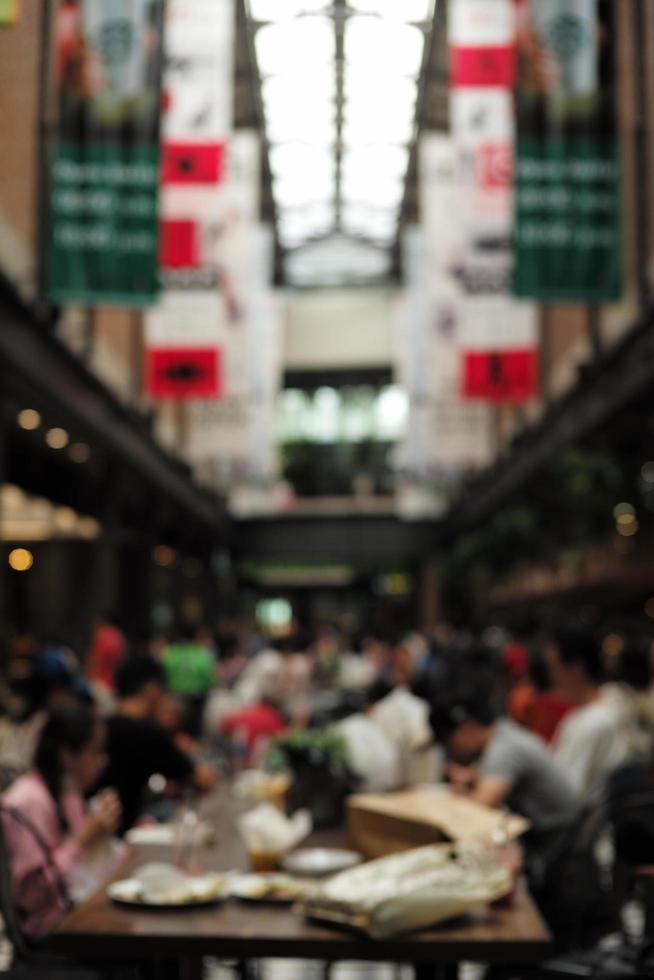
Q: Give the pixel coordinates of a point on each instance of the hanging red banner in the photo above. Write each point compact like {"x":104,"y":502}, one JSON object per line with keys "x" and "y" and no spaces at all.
{"x":179,"y":374}
{"x":179,"y":245}
{"x":193,"y":163}
{"x":482,"y":67}
{"x":500,"y":376}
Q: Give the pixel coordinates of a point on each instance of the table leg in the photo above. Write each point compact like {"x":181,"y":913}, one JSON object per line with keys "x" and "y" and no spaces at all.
{"x":436,"y":971}
{"x":191,"y":968}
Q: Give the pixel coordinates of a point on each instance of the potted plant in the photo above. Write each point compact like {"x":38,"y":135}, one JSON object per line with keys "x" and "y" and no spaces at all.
{"x":321,"y":776}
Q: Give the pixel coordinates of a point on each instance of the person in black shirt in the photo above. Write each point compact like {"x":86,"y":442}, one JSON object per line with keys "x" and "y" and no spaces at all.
{"x":138,"y":747}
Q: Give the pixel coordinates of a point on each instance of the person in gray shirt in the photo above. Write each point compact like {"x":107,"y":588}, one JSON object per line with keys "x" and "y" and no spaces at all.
{"x":497,"y":763}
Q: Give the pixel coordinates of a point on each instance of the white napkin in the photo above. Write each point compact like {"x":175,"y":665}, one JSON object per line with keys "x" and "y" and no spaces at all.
{"x":265,"y":829}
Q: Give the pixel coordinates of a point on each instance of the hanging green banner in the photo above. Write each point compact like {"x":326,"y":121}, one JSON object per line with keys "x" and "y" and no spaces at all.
{"x":568,"y":215}
{"x":101,"y":234}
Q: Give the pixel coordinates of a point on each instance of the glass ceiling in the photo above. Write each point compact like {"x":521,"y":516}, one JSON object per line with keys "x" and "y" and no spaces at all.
{"x":339,"y":91}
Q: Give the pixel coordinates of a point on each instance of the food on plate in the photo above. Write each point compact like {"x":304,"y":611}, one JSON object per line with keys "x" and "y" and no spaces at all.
{"x":162,"y":884}
{"x":267,"y":888}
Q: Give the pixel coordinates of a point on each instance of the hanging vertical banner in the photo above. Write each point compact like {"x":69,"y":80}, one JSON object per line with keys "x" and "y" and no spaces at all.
{"x":462,"y":429}
{"x":568,"y":211}
{"x":8,"y":12}
{"x":498,"y":334}
{"x":183,"y":353}
{"x":502,"y":367}
{"x":219,"y":431}
{"x":196,"y":135}
{"x":102,"y":229}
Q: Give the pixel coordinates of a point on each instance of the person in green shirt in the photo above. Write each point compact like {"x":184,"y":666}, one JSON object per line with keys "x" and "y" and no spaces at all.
{"x":190,"y":665}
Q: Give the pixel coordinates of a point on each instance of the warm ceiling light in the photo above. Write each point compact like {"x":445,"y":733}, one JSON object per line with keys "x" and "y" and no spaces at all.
{"x":613,"y":645}
{"x":21,"y":560}
{"x":88,"y":528}
{"x":11,"y":496}
{"x":79,"y":452}
{"x":29,"y":419}
{"x":628,"y":529}
{"x":163,"y":556}
{"x":65,"y":519}
{"x":623,"y":510}
{"x":57,"y":438}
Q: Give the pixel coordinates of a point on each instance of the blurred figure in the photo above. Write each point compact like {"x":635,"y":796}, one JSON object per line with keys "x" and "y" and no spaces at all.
{"x":371,"y":755}
{"x":279,"y":675}
{"x":403,"y":717}
{"x":601,"y":733}
{"x":357,"y":673}
{"x":634,"y":677}
{"x":534,"y":704}
{"x":379,"y":655}
{"x":54,"y":681}
{"x":49,"y":829}
{"x":139,"y":748}
{"x":250,"y":730}
{"x":232,"y":660}
{"x":497,"y":763}
{"x":191,"y":672}
{"x":108,"y":647}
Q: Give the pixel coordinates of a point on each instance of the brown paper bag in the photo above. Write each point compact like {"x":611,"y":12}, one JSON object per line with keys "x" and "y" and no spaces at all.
{"x":380,"y":824}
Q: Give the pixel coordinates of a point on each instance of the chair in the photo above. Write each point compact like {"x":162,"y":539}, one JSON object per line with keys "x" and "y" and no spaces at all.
{"x":573,"y":889}
{"x":28,"y":961}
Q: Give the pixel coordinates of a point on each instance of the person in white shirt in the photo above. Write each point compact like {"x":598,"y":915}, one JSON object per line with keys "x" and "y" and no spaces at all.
{"x":602,"y":733}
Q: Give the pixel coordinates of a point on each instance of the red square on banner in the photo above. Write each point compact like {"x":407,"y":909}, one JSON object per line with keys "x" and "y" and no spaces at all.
{"x":495,"y":166}
{"x":193,"y":163}
{"x":179,"y":246}
{"x":179,"y":373}
{"x":482,"y":67}
{"x":500,"y":376}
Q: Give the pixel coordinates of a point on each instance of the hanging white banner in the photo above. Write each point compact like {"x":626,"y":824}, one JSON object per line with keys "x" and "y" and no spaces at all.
{"x":481,"y":23}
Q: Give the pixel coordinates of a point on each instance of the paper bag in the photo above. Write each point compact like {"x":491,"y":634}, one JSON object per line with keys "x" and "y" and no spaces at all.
{"x":381,"y":824}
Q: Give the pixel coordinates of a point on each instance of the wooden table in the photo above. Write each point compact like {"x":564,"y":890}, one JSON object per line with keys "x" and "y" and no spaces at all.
{"x":234,"y":930}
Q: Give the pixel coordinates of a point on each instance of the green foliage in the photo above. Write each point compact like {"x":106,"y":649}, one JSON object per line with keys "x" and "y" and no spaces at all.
{"x":322,"y":749}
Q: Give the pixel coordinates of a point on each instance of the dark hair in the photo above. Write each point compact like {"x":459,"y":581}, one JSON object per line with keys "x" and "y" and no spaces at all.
{"x":633,"y":667}
{"x":135,"y":673}
{"x":578,"y":646}
{"x":378,"y":691}
{"x":539,"y":671}
{"x":449,"y":713}
{"x":71,"y":728}
{"x":229,"y":647}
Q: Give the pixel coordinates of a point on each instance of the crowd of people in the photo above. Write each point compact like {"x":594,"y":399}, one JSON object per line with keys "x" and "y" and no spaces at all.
{"x":90,"y":746}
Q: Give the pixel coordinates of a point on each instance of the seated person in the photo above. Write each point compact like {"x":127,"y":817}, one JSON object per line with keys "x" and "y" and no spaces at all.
{"x":534,"y":704}
{"x":250,"y":729}
{"x":48,"y":828}
{"x":497,"y":763}
{"x":602,"y":732}
{"x":53,"y":682}
{"x":139,"y":748}
{"x":191,"y":673}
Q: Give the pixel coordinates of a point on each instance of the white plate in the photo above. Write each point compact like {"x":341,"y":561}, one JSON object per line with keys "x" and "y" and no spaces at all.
{"x":202,"y":891}
{"x":317,"y":862}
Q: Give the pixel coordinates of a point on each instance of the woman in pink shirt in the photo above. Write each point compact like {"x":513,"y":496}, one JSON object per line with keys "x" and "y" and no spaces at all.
{"x":49,"y":830}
